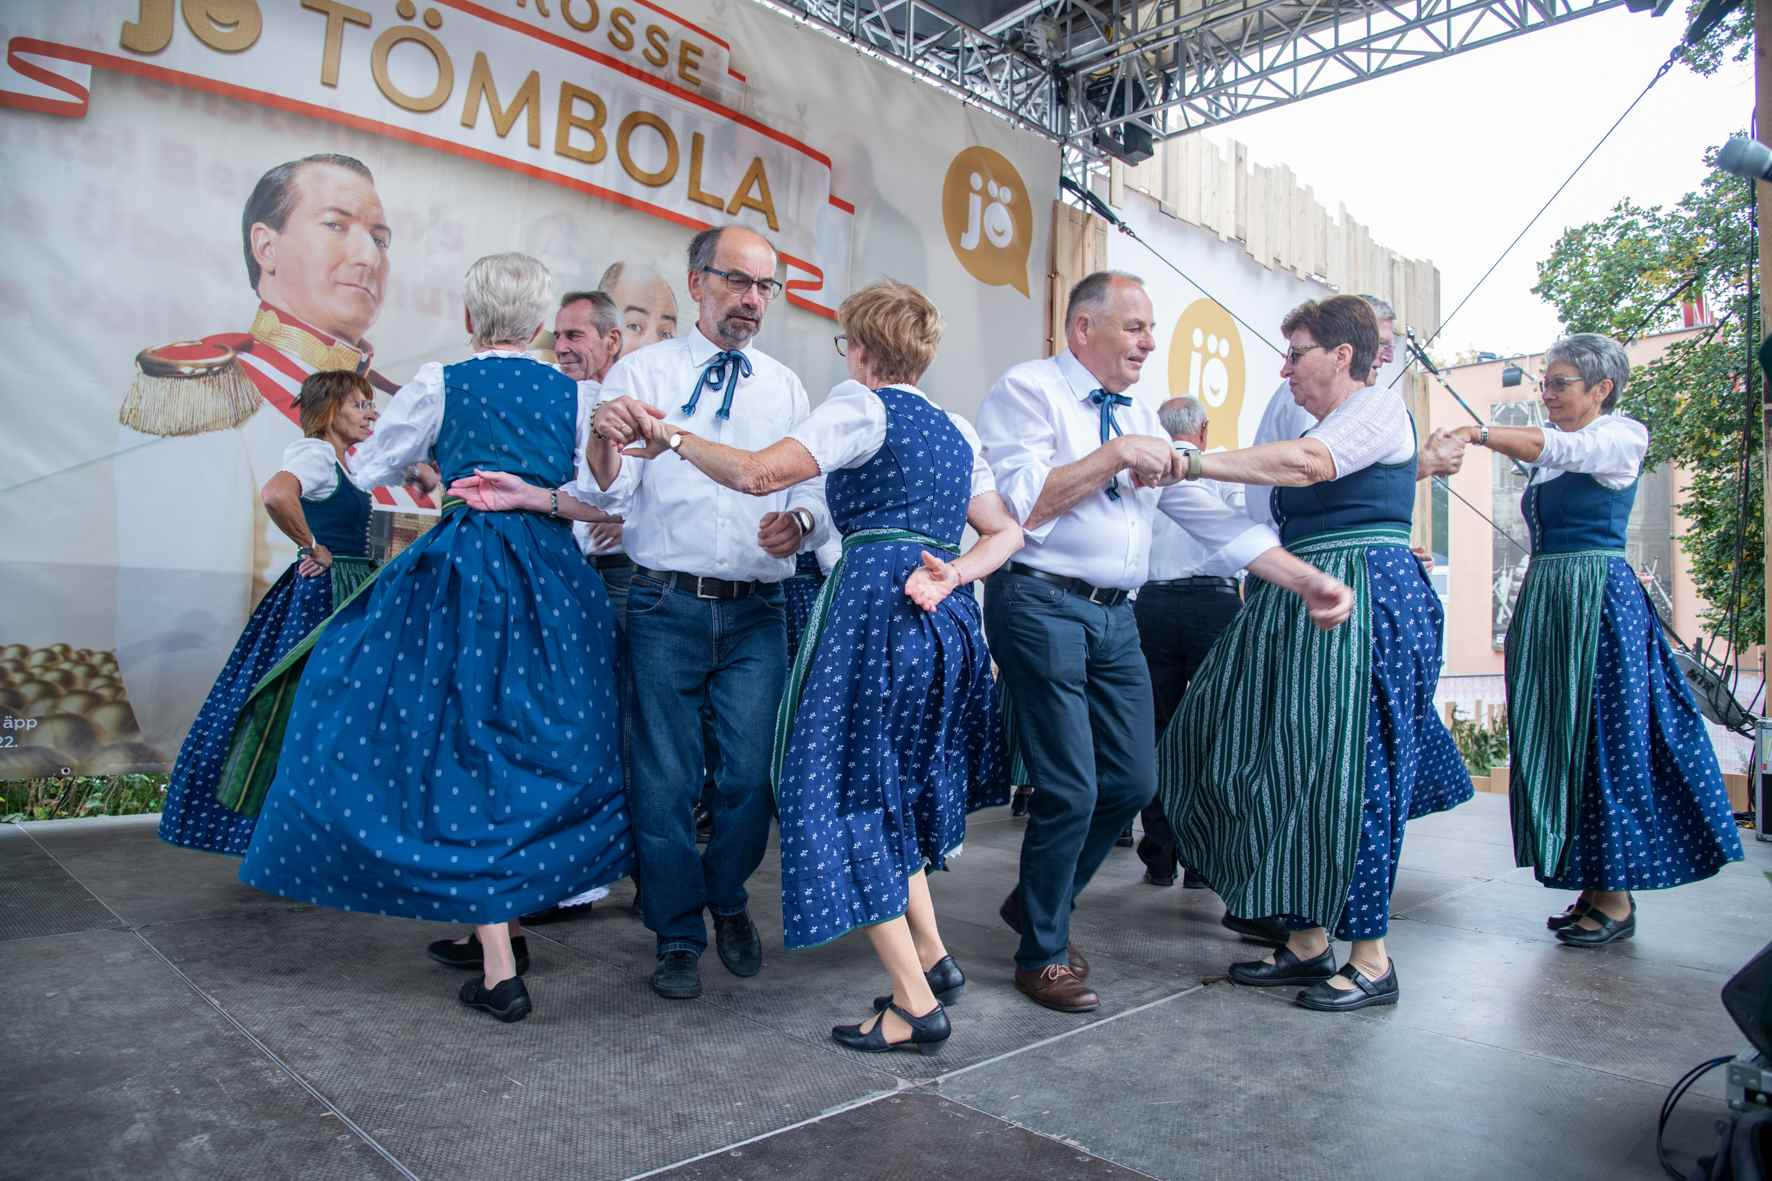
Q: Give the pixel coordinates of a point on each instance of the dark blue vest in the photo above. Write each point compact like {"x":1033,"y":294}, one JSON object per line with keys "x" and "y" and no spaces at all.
{"x":1379,"y":496}
{"x":341,"y":521}
{"x":1576,"y":512}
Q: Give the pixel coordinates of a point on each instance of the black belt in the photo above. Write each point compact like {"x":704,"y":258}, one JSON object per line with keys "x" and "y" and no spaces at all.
{"x":1099,"y":595}
{"x":611,"y":561}
{"x":701,"y":586}
{"x":1198,"y":582}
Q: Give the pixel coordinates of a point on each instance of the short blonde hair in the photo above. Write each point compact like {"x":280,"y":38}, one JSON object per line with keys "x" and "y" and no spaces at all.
{"x":509,"y":297}
{"x":898,"y":326}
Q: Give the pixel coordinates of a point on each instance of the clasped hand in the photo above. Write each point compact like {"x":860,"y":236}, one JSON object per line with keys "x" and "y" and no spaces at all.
{"x":1443,"y":453}
{"x":934,"y":581}
{"x":1152,"y":462}
{"x":636,"y":429}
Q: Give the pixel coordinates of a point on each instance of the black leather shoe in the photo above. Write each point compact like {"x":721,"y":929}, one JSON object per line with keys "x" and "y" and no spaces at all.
{"x":929,"y":1033}
{"x":1286,"y":969}
{"x":1271,"y":932}
{"x":1010,"y":913}
{"x":1611,"y":929}
{"x":677,"y":976}
{"x":704,"y":824}
{"x":1326,"y":998}
{"x":1193,"y":881}
{"x":1152,"y":878}
{"x":945,"y":979}
{"x":508,"y":1002}
{"x":739,"y":945}
{"x":1125,"y":839}
{"x":451,"y":954}
{"x":1018,"y":803}
{"x":1569,"y":917}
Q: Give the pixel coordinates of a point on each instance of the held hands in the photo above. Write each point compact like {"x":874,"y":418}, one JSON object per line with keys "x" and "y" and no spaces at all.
{"x":936,"y":580}
{"x":779,"y":535}
{"x":1150,"y":460}
{"x":1329,"y":599}
{"x":499,"y":492}
{"x":423,"y":476}
{"x":1443,"y":453}
{"x":317,"y":561}
{"x":605,"y":534}
{"x":629,"y":423}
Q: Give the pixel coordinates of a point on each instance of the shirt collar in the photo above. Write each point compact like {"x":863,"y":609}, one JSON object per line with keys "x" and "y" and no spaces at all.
{"x":1082,"y":382}
{"x":284,"y":332}
{"x":702,"y":350}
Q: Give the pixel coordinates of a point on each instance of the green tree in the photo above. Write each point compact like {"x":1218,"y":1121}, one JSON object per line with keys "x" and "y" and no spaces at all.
{"x":1626,"y":276}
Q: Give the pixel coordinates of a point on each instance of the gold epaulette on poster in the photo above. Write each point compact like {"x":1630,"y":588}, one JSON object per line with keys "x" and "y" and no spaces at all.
{"x":188,"y":387}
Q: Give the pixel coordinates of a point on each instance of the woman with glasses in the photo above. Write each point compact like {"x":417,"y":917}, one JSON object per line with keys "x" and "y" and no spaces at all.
{"x":1615,"y":786}
{"x":327,"y":517}
{"x":1290,"y":769}
{"x":888,"y":734}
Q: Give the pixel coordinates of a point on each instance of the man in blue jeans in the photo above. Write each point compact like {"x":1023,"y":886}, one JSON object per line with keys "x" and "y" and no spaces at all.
{"x":705,"y":617}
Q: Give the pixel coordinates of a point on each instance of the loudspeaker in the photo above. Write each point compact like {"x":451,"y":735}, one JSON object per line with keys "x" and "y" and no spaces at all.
{"x":1748,"y":999}
{"x":1130,"y":142}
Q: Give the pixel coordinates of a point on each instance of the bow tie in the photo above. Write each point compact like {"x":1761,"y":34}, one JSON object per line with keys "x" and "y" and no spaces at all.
{"x":721,"y":369}
{"x":1109,"y":427}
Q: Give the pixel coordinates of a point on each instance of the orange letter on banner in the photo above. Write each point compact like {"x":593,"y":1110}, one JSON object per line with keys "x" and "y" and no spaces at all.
{"x":696,"y":193}
{"x":763,"y":202}
{"x":660,"y":42}
{"x":337,"y":15}
{"x":225,"y":25}
{"x":528,"y":99}
{"x":621,"y":24}
{"x":151,"y":30}
{"x":378,"y":65}
{"x":625,"y":133}
{"x":569,"y":121}
{"x":689,"y":63}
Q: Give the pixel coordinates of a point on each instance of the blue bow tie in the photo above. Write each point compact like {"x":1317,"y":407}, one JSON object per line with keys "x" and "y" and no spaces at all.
{"x":1109,"y":427}
{"x":721,"y":369}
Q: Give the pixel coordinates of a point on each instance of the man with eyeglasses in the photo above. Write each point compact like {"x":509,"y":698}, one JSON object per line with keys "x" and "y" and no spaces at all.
{"x":705,"y":611}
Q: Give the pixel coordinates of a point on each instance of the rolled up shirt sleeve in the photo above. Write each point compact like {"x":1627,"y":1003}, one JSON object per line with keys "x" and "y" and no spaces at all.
{"x":314,"y":464}
{"x":1019,"y":440}
{"x":404,"y":434}
{"x":625,"y":380}
{"x":1221,"y":528}
{"x":1610,"y":449}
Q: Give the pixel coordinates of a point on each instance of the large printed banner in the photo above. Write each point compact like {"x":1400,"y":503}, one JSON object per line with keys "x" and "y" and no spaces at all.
{"x":175,"y":268}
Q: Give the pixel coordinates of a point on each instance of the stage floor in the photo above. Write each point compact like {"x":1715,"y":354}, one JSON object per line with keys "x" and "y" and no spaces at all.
{"x":167,"y":1021}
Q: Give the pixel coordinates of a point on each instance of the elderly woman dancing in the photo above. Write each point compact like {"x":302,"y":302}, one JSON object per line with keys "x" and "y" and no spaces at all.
{"x":1290,"y":769}
{"x":327,"y":517}
{"x":452,"y":752}
{"x":1615,"y":783}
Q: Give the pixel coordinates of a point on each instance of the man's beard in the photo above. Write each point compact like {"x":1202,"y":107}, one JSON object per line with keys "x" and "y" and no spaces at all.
{"x":739,"y":329}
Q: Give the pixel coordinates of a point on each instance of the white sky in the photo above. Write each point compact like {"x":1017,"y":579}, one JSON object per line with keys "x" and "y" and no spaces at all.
{"x":1479,"y":140}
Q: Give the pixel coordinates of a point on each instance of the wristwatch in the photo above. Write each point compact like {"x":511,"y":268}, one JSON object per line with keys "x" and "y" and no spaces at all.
{"x":803,"y":518}
{"x":675,"y":442}
{"x":1482,"y":435}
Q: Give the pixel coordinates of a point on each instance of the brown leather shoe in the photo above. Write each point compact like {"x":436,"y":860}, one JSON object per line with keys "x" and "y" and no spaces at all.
{"x":1079,"y":965}
{"x":1057,"y":987}
{"x":1010,"y":913}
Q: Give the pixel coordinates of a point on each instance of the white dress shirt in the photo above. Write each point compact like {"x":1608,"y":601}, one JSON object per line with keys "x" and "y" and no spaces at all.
{"x":849,"y":428}
{"x":589,"y":394}
{"x":678,"y":519}
{"x":1175,"y":553}
{"x":1038,"y":417}
{"x":314,"y":464}
{"x":1371,"y":426}
{"x":1610,"y":449}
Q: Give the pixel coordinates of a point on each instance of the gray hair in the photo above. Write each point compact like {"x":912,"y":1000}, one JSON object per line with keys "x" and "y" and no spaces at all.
{"x":507,"y":297}
{"x":1381,"y":308}
{"x":1090,"y":295}
{"x":1597,"y":358}
{"x":604,"y":313}
{"x":1182,"y":416}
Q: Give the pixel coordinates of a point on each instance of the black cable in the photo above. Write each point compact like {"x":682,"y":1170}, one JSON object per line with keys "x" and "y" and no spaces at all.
{"x":1676,"y":1093}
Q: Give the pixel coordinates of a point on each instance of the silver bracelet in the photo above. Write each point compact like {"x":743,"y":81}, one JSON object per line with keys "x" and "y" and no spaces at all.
{"x":554,"y":502}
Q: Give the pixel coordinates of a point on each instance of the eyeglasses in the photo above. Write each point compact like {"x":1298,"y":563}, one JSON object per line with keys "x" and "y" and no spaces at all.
{"x":362,"y":406}
{"x":842,"y":343}
{"x":738,"y":283}
{"x":1557,"y":385}
{"x":1294,"y":356}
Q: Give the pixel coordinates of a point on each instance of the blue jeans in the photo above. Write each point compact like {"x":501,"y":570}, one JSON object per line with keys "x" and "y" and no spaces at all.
{"x":730,"y":655}
{"x":616,"y":580}
{"x":1084,"y":714}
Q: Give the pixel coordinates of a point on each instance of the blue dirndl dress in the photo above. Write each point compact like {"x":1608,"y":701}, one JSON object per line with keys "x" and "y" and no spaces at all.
{"x":889,"y":732}
{"x":1615,"y":784}
{"x":191,"y":815}
{"x":453,"y":748}
{"x":798,"y":594}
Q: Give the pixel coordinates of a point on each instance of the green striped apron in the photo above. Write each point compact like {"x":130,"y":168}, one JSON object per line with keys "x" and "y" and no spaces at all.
{"x":1552,"y":644}
{"x":1263,"y":769}
{"x":815,"y":623}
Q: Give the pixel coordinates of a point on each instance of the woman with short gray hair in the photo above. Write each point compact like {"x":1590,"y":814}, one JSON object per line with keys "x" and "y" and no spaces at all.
{"x":452,"y":752}
{"x":1615,"y":786}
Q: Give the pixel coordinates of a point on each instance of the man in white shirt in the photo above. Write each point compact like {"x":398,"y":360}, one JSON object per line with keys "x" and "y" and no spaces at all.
{"x":1080,"y":464}
{"x":704,"y":616}
{"x":587,"y":343}
{"x":1191,"y":596}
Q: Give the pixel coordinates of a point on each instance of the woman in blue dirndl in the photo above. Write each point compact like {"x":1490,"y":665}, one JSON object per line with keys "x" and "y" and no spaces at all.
{"x":1615,"y":785}
{"x":327,"y":517}
{"x":452,"y":752}
{"x":889,"y":732}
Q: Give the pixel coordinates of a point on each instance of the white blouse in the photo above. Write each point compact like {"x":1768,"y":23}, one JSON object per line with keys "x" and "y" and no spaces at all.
{"x":1610,"y":449}
{"x":314,"y":464}
{"x":849,"y":427}
{"x":1372,"y":426}
{"x":407,"y":430}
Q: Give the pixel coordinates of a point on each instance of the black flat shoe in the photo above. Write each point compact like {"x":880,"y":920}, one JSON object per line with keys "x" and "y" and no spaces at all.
{"x":1193,"y":881}
{"x":1610,"y":931}
{"x":739,"y":945}
{"x":677,"y":976}
{"x":1018,"y":803}
{"x":451,"y":954}
{"x":1326,"y":998}
{"x":1569,"y":917}
{"x":1153,"y":878}
{"x":929,"y":1033}
{"x":945,"y":979}
{"x":1268,"y":932}
{"x":559,"y":914}
{"x":508,"y":1002}
{"x":1125,"y":839}
{"x":1286,"y":969}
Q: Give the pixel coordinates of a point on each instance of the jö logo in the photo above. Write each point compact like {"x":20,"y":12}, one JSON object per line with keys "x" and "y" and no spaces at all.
{"x":1206,"y":361}
{"x":989,"y":220}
